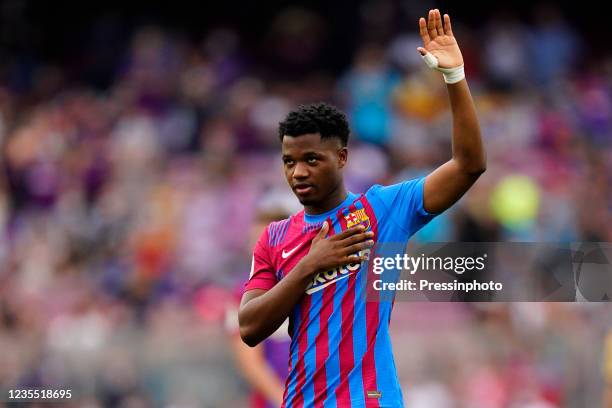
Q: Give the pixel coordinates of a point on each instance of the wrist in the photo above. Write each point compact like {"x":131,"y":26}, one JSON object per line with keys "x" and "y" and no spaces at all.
{"x":453,"y":75}
{"x":307,"y":267}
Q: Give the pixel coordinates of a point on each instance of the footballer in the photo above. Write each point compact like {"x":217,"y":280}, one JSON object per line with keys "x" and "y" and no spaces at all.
{"x":308,"y":267}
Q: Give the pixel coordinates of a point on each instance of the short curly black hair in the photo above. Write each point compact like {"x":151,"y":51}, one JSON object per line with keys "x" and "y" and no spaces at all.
{"x":320,"y":117}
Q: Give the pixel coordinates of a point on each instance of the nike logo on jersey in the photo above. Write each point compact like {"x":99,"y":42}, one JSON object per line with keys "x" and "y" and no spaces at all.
{"x":286,"y":254}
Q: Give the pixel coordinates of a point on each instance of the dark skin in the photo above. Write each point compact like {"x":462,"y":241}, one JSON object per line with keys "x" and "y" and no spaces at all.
{"x":313,"y":168}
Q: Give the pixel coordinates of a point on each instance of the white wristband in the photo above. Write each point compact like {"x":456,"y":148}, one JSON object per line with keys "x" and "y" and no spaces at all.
{"x":451,"y":75}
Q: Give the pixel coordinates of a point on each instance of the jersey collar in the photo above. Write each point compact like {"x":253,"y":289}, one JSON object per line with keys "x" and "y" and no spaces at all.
{"x":350,"y":197}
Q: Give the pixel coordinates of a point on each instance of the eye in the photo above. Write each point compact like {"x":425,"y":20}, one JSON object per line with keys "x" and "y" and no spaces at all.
{"x":288,"y":162}
{"x":312,"y":160}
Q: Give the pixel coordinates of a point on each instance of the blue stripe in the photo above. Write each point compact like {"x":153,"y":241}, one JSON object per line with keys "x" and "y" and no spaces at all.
{"x":271,"y":233}
{"x":275,"y":234}
{"x":334,"y":335}
{"x":279,"y":227}
{"x":293,"y":352}
{"x":386,"y":377}
{"x":310,"y":357}
{"x":283,"y":231}
{"x":386,"y":374}
{"x":311,"y":226}
{"x":359,"y":337}
{"x":335,"y":224}
{"x":279,"y":232}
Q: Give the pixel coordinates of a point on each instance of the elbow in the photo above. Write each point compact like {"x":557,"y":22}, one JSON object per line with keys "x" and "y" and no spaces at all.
{"x":477,"y":171}
{"x":248,"y":334}
{"x":474,"y":168}
{"x":249,"y":338}
{"x":474,"y":172}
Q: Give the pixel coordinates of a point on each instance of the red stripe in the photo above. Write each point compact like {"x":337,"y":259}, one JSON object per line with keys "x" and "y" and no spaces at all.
{"x":368,"y":367}
{"x":322,"y":347}
{"x":287,"y":382}
{"x":343,"y":395}
{"x":322,"y":342}
{"x":298,"y":397}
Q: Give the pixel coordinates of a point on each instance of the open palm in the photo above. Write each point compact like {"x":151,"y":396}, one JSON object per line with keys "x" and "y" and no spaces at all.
{"x":438,"y":39}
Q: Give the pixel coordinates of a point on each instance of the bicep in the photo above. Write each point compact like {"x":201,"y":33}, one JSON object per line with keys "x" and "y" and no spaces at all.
{"x":445,"y":185}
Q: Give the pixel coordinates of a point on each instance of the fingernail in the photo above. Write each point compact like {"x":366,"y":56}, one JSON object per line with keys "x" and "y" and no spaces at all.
{"x":370,"y":234}
{"x":370,"y":242}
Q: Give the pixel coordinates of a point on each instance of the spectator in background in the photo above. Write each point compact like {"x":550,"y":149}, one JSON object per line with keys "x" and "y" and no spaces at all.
{"x":506,"y":51}
{"x":366,"y":91}
{"x":553,"y":46}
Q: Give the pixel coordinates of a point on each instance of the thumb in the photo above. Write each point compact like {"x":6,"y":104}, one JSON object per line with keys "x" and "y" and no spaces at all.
{"x":430,"y":60}
{"x":322,"y":232}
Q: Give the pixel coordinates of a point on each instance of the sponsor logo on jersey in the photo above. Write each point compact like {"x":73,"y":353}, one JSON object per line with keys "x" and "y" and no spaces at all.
{"x":324,"y":279}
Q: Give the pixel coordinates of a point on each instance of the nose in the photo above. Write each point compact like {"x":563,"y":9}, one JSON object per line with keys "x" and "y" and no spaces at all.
{"x":300,"y":171}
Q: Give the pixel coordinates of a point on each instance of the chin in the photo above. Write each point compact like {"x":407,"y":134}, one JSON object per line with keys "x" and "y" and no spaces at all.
{"x":307,"y":201}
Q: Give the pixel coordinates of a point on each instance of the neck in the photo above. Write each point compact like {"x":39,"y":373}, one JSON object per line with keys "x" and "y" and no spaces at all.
{"x":330,"y":202}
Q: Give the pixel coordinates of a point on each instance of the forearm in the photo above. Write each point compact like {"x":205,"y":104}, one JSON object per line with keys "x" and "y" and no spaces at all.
{"x":468,"y":150}
{"x":261,"y":316}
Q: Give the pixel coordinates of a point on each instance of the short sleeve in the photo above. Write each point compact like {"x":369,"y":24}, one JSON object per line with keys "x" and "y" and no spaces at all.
{"x":403,"y":203}
{"x":262,"y":275}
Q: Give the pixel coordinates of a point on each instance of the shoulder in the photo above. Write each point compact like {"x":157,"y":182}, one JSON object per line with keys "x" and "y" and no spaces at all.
{"x":276,"y":231}
{"x":396,"y":187}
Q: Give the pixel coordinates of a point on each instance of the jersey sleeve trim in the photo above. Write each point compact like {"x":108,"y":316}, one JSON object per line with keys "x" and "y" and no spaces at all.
{"x":262,"y":275}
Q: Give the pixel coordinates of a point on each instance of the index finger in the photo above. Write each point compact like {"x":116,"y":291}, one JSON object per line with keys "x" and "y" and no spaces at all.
{"x":348,"y":232}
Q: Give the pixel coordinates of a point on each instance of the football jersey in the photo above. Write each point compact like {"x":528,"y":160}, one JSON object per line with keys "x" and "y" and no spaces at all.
{"x":340,"y":353}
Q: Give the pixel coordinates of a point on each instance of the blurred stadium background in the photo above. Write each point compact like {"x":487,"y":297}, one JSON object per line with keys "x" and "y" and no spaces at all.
{"x":138,"y":140}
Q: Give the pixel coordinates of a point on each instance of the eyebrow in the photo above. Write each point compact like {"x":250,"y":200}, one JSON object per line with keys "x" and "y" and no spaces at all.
{"x":308,"y":153}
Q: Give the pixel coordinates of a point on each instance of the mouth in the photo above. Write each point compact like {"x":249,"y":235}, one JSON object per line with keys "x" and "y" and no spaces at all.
{"x":303,"y":189}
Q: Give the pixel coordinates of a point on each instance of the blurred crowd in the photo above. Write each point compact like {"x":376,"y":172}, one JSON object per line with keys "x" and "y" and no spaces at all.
{"x":123,"y":210}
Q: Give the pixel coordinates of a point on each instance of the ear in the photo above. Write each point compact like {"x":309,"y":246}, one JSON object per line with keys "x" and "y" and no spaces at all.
{"x":342,"y":157}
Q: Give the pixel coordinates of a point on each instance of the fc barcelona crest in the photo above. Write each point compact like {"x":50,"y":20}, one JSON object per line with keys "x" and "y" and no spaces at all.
{"x":356,"y":218}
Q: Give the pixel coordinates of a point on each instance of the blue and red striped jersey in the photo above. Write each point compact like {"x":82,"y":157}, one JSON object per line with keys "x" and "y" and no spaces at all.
{"x":340,"y":353}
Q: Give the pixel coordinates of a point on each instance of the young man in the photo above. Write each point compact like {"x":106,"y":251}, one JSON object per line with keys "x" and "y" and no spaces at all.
{"x":308,"y":267}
